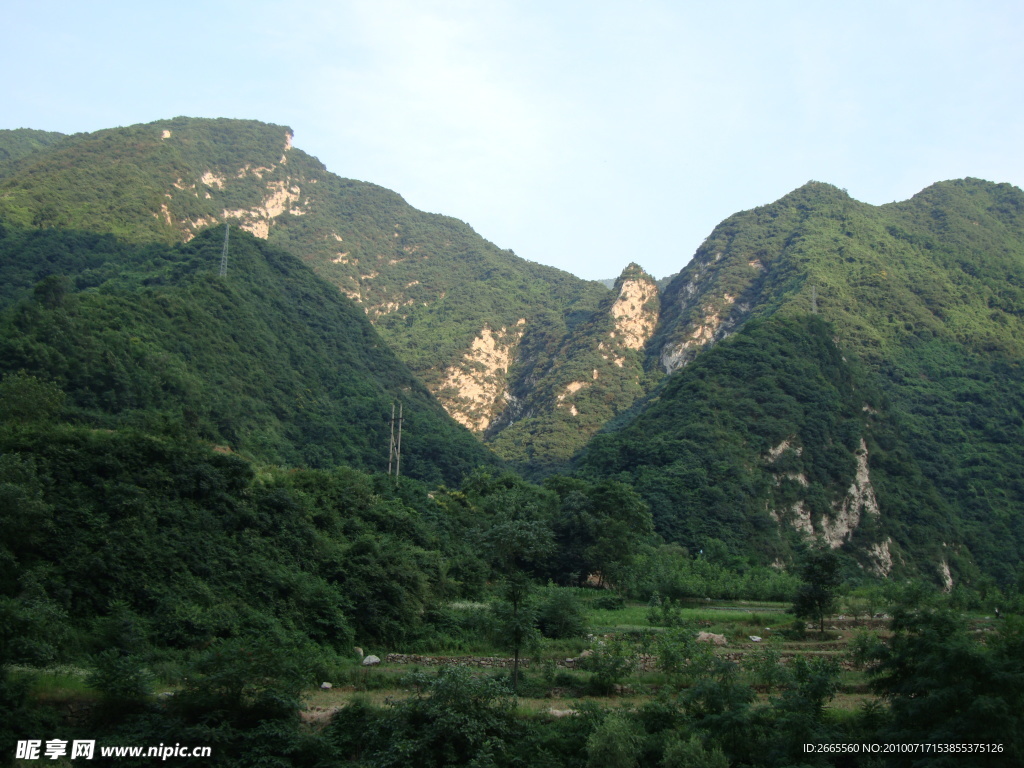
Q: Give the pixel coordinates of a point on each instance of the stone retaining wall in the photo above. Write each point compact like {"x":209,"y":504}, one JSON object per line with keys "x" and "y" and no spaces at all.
{"x":646,"y":662}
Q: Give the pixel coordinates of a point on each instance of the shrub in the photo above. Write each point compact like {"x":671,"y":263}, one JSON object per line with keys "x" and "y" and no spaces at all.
{"x":560,"y":615}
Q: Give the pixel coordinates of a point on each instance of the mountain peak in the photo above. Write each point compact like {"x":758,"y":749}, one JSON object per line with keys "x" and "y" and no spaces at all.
{"x":635,"y":272}
{"x":636,"y":307}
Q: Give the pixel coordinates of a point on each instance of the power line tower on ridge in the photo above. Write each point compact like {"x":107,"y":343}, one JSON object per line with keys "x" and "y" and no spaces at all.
{"x":395,"y":451}
{"x":224,"y":253}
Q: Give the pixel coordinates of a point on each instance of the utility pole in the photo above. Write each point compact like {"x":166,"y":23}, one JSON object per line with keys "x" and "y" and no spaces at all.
{"x":814,"y":299}
{"x":224,"y":253}
{"x":395,"y":451}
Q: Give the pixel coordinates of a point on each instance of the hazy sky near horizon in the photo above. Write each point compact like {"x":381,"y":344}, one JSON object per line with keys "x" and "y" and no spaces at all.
{"x":584,"y":135}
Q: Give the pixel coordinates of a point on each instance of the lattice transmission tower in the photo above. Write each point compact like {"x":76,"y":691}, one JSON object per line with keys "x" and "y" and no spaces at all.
{"x":224,"y":253}
{"x":395,"y":452}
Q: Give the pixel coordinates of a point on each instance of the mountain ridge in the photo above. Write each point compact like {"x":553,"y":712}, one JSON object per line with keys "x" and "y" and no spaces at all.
{"x":923,"y":297}
{"x":171,"y":179}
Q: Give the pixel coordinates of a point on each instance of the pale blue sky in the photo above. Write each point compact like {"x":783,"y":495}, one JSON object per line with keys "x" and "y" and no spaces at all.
{"x":584,"y":135}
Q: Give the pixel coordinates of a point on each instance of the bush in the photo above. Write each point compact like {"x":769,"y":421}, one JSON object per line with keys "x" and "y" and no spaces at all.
{"x":664,"y":612}
{"x":560,"y":615}
{"x":611,"y":661}
{"x":609,"y":601}
{"x":120,"y":677}
{"x":692,"y":754}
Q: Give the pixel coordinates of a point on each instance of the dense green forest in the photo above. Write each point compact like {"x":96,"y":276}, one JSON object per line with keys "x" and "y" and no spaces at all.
{"x":268,"y":361}
{"x":22,"y":142}
{"x":158,"y":563}
{"x":756,"y":443}
{"x":924,"y":296}
{"x":431,"y":285}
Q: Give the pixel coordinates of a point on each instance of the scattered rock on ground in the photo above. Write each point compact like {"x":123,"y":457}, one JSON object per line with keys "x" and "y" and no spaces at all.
{"x":711,"y":637}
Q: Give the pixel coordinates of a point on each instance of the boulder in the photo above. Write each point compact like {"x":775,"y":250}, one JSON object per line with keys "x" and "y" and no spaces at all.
{"x":711,"y":637}
{"x":325,"y":686}
{"x":371,"y":661}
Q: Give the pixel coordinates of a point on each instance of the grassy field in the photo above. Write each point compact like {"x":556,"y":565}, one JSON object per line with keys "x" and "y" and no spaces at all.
{"x":547,"y":685}
{"x":554,"y":677}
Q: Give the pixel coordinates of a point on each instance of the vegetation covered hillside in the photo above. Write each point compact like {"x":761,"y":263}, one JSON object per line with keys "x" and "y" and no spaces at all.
{"x":269,"y":361}
{"x":924,"y":294}
{"x":924,"y":299}
{"x":477,"y":324}
{"x":19,"y":143}
{"x":772,"y":437}
{"x":566,"y":391}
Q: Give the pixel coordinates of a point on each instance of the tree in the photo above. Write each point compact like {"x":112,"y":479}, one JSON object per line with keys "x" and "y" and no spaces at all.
{"x":599,"y":527}
{"x":615,"y":743}
{"x":944,"y":686}
{"x":52,"y":291}
{"x":816,"y":597}
{"x":516,"y":619}
{"x":453,"y":718}
{"x":25,"y":399}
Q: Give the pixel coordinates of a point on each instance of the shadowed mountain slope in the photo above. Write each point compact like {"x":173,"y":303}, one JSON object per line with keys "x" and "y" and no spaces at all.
{"x":268,"y":360}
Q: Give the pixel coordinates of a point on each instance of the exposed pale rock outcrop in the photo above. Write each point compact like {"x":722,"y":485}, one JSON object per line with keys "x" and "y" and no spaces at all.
{"x":474,"y":390}
{"x":257,"y":220}
{"x":880,"y":557}
{"x":211,"y":179}
{"x":947,"y":577}
{"x":860,"y":499}
{"x":634,"y":318}
{"x":702,"y":332}
{"x":837,"y":528}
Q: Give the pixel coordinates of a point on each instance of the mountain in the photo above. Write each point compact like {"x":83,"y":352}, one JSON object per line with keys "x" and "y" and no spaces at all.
{"x":774,"y":436}
{"x":467,"y":317}
{"x":268,"y":361}
{"x":924,"y":299}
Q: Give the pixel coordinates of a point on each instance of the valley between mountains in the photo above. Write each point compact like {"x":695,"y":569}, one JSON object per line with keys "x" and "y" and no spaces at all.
{"x":821,"y":368}
{"x":766,"y":512}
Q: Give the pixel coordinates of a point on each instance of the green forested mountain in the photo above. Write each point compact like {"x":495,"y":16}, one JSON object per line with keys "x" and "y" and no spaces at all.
{"x":773,"y":436}
{"x":191,"y":484}
{"x":923,"y":299}
{"x":269,"y":360}
{"x":923,"y":296}
{"x":584,"y":377}
{"x":466,"y":316}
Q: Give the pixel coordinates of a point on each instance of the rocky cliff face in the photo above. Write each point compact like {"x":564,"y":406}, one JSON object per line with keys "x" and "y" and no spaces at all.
{"x":564,"y":391}
{"x":475,"y":390}
{"x":635,"y":309}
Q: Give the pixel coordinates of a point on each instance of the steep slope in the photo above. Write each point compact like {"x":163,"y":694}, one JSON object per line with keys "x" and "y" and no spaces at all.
{"x":926,"y":294}
{"x":773,"y":436}
{"x":947,"y":262}
{"x":268,"y":360}
{"x":583,"y":377}
{"x":453,"y":306}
